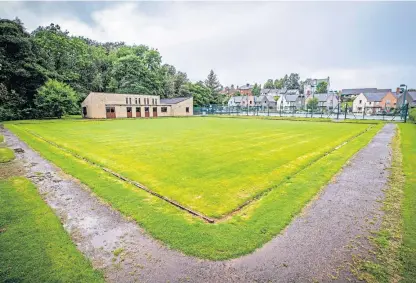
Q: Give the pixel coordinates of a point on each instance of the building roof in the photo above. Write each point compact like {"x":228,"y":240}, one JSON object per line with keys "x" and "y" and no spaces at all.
{"x":322,"y":97}
{"x":374,"y":96}
{"x":173,"y":100}
{"x":269,"y":91}
{"x":291,"y":97}
{"x":269,"y":98}
{"x":352,"y":91}
{"x":246,"y":86}
{"x":386,"y":90}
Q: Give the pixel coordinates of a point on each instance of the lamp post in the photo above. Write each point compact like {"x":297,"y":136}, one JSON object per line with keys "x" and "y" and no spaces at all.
{"x":403,"y":86}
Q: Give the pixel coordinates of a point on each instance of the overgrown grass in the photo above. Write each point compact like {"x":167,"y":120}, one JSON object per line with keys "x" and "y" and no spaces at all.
{"x":408,"y":145}
{"x":210,"y":165}
{"x":6,"y":154}
{"x":33,"y":245}
{"x":240,"y":234}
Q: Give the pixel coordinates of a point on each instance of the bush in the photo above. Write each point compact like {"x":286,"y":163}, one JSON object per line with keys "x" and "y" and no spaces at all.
{"x":412,"y":115}
{"x":56,"y":99}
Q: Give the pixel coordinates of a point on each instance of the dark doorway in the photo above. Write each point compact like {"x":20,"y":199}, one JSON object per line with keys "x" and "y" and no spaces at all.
{"x":138,"y":112}
{"x":154,"y":111}
{"x":129,"y":114}
{"x":146,"y":112}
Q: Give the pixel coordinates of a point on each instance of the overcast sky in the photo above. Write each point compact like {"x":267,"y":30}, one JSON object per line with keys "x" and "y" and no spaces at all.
{"x":356,"y":44}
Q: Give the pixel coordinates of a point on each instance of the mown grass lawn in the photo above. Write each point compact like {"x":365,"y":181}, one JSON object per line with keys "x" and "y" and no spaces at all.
{"x":33,"y":244}
{"x":234,"y":236}
{"x":210,"y":165}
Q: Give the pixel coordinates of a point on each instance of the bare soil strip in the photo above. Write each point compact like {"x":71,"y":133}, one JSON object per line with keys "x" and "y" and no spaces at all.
{"x":315,"y":246}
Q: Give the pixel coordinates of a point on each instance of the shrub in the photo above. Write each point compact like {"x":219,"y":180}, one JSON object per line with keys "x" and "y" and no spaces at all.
{"x":412,"y":115}
{"x":55,"y":99}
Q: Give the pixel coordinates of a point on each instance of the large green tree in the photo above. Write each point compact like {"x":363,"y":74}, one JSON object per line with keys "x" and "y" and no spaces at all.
{"x":20,"y":71}
{"x":269,"y":84}
{"x":256,"y":89}
{"x":213,"y":84}
{"x":292,"y":82}
{"x":322,"y":87}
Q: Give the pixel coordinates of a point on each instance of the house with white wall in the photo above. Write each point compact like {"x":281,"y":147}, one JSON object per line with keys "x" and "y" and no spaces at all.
{"x":290,"y":102}
{"x":326,"y":101}
{"x":368,"y":101}
{"x":235,"y":101}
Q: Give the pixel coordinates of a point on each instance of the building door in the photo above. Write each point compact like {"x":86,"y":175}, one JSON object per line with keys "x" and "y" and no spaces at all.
{"x":146,"y":112}
{"x":129,"y":114}
{"x":154,"y":111}
{"x":110,"y":112}
{"x":138,"y":111}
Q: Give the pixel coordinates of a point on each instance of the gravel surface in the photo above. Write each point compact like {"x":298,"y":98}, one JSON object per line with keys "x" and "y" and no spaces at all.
{"x":315,"y":245}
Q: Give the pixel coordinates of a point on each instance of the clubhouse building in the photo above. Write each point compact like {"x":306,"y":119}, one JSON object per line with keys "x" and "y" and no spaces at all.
{"x":99,"y":105}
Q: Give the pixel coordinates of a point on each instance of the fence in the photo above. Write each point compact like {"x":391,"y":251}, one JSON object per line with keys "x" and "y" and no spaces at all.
{"x":344,"y":113}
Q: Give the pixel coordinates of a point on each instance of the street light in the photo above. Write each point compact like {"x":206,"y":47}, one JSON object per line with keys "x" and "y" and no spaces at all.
{"x":403,"y":86}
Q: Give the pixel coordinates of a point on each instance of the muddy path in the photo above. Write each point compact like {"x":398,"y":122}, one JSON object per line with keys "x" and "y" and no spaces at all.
{"x":316,"y":246}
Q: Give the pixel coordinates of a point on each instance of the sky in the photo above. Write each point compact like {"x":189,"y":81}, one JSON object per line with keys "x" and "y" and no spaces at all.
{"x":356,"y":44}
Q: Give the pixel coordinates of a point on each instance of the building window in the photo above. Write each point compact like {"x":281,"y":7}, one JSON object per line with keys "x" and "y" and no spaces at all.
{"x":107,"y":109}
{"x":84,"y":111}
{"x":154,"y":109}
{"x":146,"y":109}
{"x":156,"y":101}
{"x":127,"y":100}
{"x":135,"y":101}
{"x":138,"y":109}
{"x":139,"y":100}
{"x":130,"y":100}
{"x":187,"y":109}
{"x":164,"y":109}
{"x":128,"y":109}
{"x":360,"y":101}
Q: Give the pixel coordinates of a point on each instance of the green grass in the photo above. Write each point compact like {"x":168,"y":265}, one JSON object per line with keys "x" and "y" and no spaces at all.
{"x":240,"y":234}
{"x":1,"y":138}
{"x":408,"y":145}
{"x":6,"y":154}
{"x":33,"y":245}
{"x":209,"y":165}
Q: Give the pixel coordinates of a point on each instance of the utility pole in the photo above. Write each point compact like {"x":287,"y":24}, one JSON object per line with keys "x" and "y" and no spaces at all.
{"x":404,"y":99}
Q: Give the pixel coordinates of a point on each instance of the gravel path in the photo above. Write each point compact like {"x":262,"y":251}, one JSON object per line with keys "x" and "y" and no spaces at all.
{"x":313,"y":246}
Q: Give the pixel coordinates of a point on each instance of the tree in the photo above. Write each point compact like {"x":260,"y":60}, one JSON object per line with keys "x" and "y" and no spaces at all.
{"x":20,"y":72}
{"x":256,"y":90}
{"x":292,"y":82}
{"x":55,"y":99}
{"x":322,"y":87}
{"x":279,"y":83}
{"x":214,"y":86}
{"x":312,"y":103}
{"x":269,"y":84}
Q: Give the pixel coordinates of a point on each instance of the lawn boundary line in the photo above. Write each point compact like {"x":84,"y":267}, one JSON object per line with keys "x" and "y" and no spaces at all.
{"x":207,"y":219}
{"x":121,"y":177}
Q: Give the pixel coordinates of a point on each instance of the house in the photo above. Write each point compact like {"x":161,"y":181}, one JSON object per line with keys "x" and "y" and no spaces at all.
{"x":99,"y":105}
{"x":265,"y":102}
{"x":247,"y":100}
{"x":245,"y":89}
{"x":290,"y":102}
{"x":326,"y":101}
{"x":374,"y":102}
{"x":356,"y":91}
{"x":309,"y":87}
{"x":410,"y":98}
{"x":235,"y":101}
{"x":270,"y":92}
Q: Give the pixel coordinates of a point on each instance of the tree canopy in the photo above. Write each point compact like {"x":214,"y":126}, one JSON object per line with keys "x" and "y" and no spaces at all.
{"x":52,"y":56}
{"x":322,"y":87}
